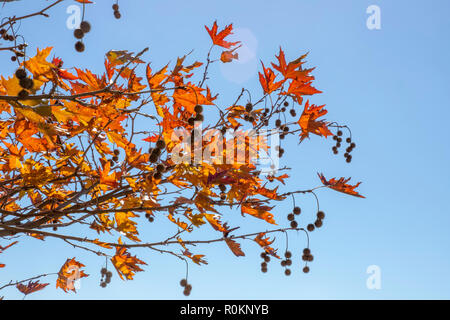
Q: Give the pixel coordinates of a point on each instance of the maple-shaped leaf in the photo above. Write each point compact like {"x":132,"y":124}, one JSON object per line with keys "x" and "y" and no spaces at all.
{"x":68,"y":274}
{"x":267,"y":80}
{"x":309,"y":124}
{"x":340,"y":185}
{"x":126,"y":264}
{"x":214,"y":221}
{"x":218,"y":38}
{"x":31,"y":287}
{"x":291,"y":69}
{"x":271,"y":194}
{"x":234,"y":247}
{"x":281,"y":178}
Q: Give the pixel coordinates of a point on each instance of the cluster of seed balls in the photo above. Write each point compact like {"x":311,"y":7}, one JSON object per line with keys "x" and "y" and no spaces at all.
{"x":117,"y":14}
{"x":106,"y":277}
{"x":115,"y":158}
{"x":222,"y":188}
{"x":266,"y":259}
{"x":187,"y":287}
{"x":308,"y":257}
{"x":287,"y":262}
{"x":351,"y":145}
{"x":155,"y":153}
{"x":79,"y":33}
{"x":24,"y":82}
{"x":250,"y":115}
{"x":9,"y":37}
{"x":198,"y":115}
{"x":291,"y":216}
{"x":318,"y":223}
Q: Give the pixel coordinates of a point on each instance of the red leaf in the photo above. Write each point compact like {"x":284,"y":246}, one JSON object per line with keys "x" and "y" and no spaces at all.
{"x":31,"y":287}
{"x":218,"y":38}
{"x":341,"y":185}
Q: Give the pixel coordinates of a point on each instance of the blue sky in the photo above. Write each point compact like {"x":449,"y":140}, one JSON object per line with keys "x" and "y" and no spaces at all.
{"x":391,"y":86}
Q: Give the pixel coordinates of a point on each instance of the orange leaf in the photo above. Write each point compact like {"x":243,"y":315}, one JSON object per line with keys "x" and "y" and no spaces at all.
{"x":68,"y":274}
{"x":341,"y":185}
{"x":31,"y":287}
{"x":126,"y":264}
{"x":258,"y":211}
{"x":267,"y":80}
{"x":218,"y":38}
{"x":234,"y":247}
{"x":309,"y":123}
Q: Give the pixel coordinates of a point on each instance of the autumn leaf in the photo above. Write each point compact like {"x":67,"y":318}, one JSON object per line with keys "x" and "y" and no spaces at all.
{"x":234,"y":247}
{"x":341,"y":185}
{"x":229,"y":55}
{"x":257,"y":210}
{"x":126,"y":264}
{"x":267,"y":80}
{"x":291,"y":69}
{"x":197,"y":258}
{"x":68,"y":274}
{"x":309,"y":122}
{"x":218,"y":38}
{"x":265,"y":243}
{"x":31,"y":287}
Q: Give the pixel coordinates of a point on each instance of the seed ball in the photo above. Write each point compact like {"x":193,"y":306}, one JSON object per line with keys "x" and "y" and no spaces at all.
{"x":21,"y":74}
{"x":310,"y":227}
{"x":160,"y":167}
{"x":306,"y":269}
{"x":26,"y":83}
{"x":267,"y":259}
{"x":286,"y":103}
{"x":153,"y":158}
{"x":198,"y":108}
{"x":156,"y":151}
{"x":263,"y":255}
{"x":294,"y":224}
{"x":293,"y":113}
{"x":353,"y":145}
{"x":349,"y":159}
{"x":199,"y":117}
{"x":297,"y":210}
{"x":278,"y":123}
{"x":85,"y":26}
{"x":147,"y":215}
{"x":283,"y":263}
{"x":78,"y":33}
{"x":287,"y":272}
{"x":157,"y":175}
{"x":23,"y":94}
{"x":186,"y":292}
{"x":103,"y":284}
{"x":79,"y":46}
{"x":290,"y":217}
{"x":191,"y":121}
{"x":310,"y":258}
{"x":248,"y":107}
{"x":151,"y":219}
{"x":183,"y":282}
{"x":223,"y":196}
{"x":115,"y":7}
{"x":318,"y":223}
{"x":335,"y":137}
{"x":222,"y":187}
{"x":304,"y":257}
{"x":339,"y":133}
{"x":263,"y":264}
{"x":306,"y":251}
{"x":321,"y":215}
{"x":13,"y":58}
{"x":263,"y":270}
{"x":160,"y":144}
{"x":103,"y":271}
{"x":117,"y":14}
{"x":251,"y":119}
{"x":288,"y":262}
{"x":348,"y":140}
{"x":288,"y":254}
{"x":115,"y":158}
{"x":109,"y":274}
{"x":286,"y":129}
